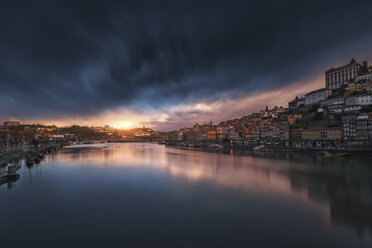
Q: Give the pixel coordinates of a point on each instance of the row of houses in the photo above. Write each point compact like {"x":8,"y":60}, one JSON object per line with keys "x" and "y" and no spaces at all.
{"x":324,"y":96}
{"x":353,"y":132}
{"x":348,"y":85}
{"x":347,"y":90}
{"x":15,"y":135}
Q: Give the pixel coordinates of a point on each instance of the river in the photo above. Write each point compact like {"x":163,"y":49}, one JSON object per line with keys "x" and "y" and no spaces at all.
{"x":149,"y":195}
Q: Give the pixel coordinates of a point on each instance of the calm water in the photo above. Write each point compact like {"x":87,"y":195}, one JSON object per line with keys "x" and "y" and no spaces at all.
{"x":147,"y":195}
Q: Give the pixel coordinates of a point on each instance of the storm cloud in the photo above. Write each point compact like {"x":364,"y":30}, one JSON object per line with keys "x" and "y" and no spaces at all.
{"x":77,"y":58}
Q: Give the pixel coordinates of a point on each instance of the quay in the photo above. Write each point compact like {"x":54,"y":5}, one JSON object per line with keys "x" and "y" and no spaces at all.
{"x":267,"y":148}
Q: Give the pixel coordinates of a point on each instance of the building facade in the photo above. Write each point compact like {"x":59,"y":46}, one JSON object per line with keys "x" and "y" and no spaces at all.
{"x":336,"y":77}
{"x":316,"y":137}
{"x":358,"y":131}
{"x":317,"y":96}
{"x":222,"y":132}
{"x":359,"y":100}
{"x":296,"y":103}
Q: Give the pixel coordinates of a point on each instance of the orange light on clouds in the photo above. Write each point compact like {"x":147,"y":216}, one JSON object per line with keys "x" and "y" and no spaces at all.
{"x":221,"y":109}
{"x":117,"y":119}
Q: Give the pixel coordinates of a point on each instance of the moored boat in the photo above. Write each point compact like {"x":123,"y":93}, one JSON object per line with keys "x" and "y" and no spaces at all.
{"x":328,"y":154}
{"x":30,"y":161}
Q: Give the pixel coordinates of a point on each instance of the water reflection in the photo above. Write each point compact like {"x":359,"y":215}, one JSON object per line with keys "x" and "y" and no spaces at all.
{"x":9,"y":182}
{"x":340,"y":187}
{"x":107,"y":194}
{"x":9,"y":177}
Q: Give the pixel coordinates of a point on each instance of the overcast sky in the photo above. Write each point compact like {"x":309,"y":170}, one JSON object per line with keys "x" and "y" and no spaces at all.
{"x":169,"y":63}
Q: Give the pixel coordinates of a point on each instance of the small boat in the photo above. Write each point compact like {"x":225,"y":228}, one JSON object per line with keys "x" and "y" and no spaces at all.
{"x":30,"y":161}
{"x":258,"y":147}
{"x":328,"y":154}
{"x":9,"y":178}
{"x":215,"y":146}
{"x":40,"y":156}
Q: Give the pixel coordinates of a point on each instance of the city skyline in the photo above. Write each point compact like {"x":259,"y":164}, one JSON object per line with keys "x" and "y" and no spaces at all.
{"x":168,"y":65}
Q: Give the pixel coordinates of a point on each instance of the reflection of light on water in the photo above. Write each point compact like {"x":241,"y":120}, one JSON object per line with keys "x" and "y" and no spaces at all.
{"x":192,"y":174}
{"x":340,"y":193}
{"x":243,"y":172}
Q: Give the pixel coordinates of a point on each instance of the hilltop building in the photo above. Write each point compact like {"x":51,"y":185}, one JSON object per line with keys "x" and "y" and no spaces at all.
{"x":336,"y":77}
{"x":12,"y":123}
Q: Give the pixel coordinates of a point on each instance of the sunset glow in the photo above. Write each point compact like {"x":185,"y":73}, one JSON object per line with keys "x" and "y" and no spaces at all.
{"x":124,"y":124}
{"x":185,"y":123}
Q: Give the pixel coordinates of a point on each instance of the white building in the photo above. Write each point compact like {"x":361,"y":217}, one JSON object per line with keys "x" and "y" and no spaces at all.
{"x":359,"y":100}
{"x":336,"y":108}
{"x":351,"y":108}
{"x":317,"y":96}
{"x":333,"y":101}
{"x":364,"y":78}
{"x":336,"y":77}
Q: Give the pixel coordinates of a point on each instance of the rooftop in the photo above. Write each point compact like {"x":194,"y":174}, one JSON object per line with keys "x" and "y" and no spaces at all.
{"x":314,"y":91}
{"x":352,"y":63}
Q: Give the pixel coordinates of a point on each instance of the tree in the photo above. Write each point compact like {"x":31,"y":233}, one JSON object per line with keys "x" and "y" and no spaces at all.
{"x":318,"y":116}
{"x":35,"y":143}
{"x":83,"y":132}
{"x":300,"y":123}
{"x":366,"y":109}
{"x":364,"y":67}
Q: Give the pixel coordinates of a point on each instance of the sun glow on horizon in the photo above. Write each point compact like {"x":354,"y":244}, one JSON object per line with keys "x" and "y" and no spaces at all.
{"x":124,"y":124}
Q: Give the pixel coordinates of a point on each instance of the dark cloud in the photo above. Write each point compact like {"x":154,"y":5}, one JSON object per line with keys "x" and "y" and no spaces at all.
{"x":76,"y":58}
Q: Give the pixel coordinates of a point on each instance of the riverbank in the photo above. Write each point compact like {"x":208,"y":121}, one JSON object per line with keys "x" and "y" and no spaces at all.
{"x":262,"y":148}
{"x":14,"y":155}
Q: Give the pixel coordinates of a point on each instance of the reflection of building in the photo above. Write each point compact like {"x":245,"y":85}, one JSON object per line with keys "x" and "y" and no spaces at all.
{"x":336,"y":77}
{"x":345,"y":188}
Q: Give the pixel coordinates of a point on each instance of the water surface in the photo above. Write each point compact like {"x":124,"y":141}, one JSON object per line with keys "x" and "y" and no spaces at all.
{"x":147,"y":195}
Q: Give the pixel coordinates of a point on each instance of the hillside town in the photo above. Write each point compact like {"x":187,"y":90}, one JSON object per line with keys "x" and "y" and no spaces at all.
{"x":338,"y":116}
{"x":14,"y":135}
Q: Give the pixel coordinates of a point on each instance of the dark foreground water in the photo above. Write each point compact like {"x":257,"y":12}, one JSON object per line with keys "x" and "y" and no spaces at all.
{"x":146,"y":195}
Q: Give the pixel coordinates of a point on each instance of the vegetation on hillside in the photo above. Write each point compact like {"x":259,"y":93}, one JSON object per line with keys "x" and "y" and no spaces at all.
{"x":83,"y":132}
